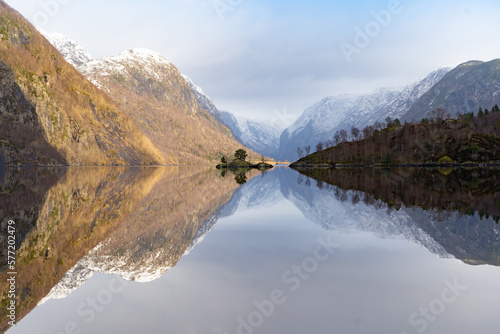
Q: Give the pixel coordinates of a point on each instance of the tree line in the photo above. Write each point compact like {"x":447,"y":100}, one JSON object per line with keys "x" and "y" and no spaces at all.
{"x":469,"y":136}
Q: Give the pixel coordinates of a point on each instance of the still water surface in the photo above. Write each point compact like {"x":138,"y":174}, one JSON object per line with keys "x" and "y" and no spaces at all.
{"x":184,"y":250}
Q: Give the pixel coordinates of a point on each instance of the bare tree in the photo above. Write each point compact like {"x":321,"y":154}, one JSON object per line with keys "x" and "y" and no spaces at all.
{"x":355,"y":133}
{"x":319,"y":146}
{"x":439,"y":114}
{"x":368,"y":131}
{"x":388,"y":121}
{"x":343,"y":135}
{"x":307,"y":149}
{"x":336,"y":137}
{"x":300,"y":152}
{"x":378,"y":125}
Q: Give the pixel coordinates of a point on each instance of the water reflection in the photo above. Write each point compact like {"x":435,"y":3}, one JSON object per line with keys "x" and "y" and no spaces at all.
{"x":459,"y":209}
{"x":135,"y":222}
{"x":241,"y":175}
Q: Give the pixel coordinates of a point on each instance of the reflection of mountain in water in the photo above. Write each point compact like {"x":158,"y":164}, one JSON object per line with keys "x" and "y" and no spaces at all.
{"x":137,"y":222}
{"x":455,"y":210}
{"x":261,"y":191}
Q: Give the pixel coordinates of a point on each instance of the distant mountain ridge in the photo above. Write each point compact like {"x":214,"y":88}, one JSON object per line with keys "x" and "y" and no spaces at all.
{"x":69,"y":49}
{"x":254,"y":134}
{"x":465,"y":89}
{"x":257,"y":135}
{"x":319,"y":122}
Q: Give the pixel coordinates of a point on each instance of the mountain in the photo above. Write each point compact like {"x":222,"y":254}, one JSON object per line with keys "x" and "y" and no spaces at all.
{"x":51,"y":115}
{"x":465,"y":89}
{"x":257,"y":135}
{"x":204,"y":100}
{"x":72,"y":52}
{"x":178,"y":117}
{"x":320,"y":122}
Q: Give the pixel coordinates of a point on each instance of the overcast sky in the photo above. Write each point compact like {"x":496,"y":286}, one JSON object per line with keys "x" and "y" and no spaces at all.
{"x":272,"y":59}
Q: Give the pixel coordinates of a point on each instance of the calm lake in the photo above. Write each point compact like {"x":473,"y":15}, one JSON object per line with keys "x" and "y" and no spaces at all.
{"x":188,"y":250}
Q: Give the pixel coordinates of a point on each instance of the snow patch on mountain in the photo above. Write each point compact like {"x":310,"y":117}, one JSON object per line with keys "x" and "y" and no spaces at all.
{"x":320,"y":122}
{"x":257,"y":135}
{"x":69,"y":49}
{"x":204,"y":100}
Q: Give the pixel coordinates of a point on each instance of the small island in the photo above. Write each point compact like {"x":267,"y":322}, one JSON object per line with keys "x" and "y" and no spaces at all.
{"x":239,"y":161}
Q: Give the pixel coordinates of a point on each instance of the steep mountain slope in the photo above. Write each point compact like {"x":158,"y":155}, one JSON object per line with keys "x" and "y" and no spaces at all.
{"x":176,"y":115}
{"x":469,"y":86}
{"x":69,"y":49}
{"x":204,"y":100}
{"x":320,"y":122}
{"x":50,"y":114}
{"x":257,"y":135}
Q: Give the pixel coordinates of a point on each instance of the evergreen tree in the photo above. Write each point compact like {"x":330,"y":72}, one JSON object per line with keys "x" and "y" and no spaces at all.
{"x":480,"y":113}
{"x":241,"y":154}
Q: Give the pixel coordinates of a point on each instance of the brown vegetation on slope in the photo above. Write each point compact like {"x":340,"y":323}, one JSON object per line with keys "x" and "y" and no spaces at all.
{"x":65,"y":217}
{"x":160,"y":101}
{"x":50,"y":114}
{"x":136,"y":214}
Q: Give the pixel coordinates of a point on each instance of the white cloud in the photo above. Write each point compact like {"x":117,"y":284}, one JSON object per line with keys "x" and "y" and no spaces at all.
{"x":266,"y":56}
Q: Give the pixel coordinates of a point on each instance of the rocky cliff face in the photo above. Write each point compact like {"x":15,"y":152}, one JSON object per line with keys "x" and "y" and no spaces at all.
{"x":204,"y":100}
{"x":53,"y":115}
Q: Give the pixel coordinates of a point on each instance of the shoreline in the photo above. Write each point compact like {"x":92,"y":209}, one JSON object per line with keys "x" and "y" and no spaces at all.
{"x":413,"y":165}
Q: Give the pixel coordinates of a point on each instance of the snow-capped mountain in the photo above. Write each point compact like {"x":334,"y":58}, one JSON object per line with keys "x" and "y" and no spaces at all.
{"x":204,"y":100}
{"x":257,"y":135}
{"x":320,"y":122}
{"x":468,"y":87}
{"x":69,"y":49}
{"x":176,"y":115}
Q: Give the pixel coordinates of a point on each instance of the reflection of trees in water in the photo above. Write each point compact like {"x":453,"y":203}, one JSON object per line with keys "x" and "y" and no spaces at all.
{"x":62,"y":213}
{"x":241,"y":175}
{"x":464,"y":191}
{"x":241,"y":178}
{"x":458,"y":210}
